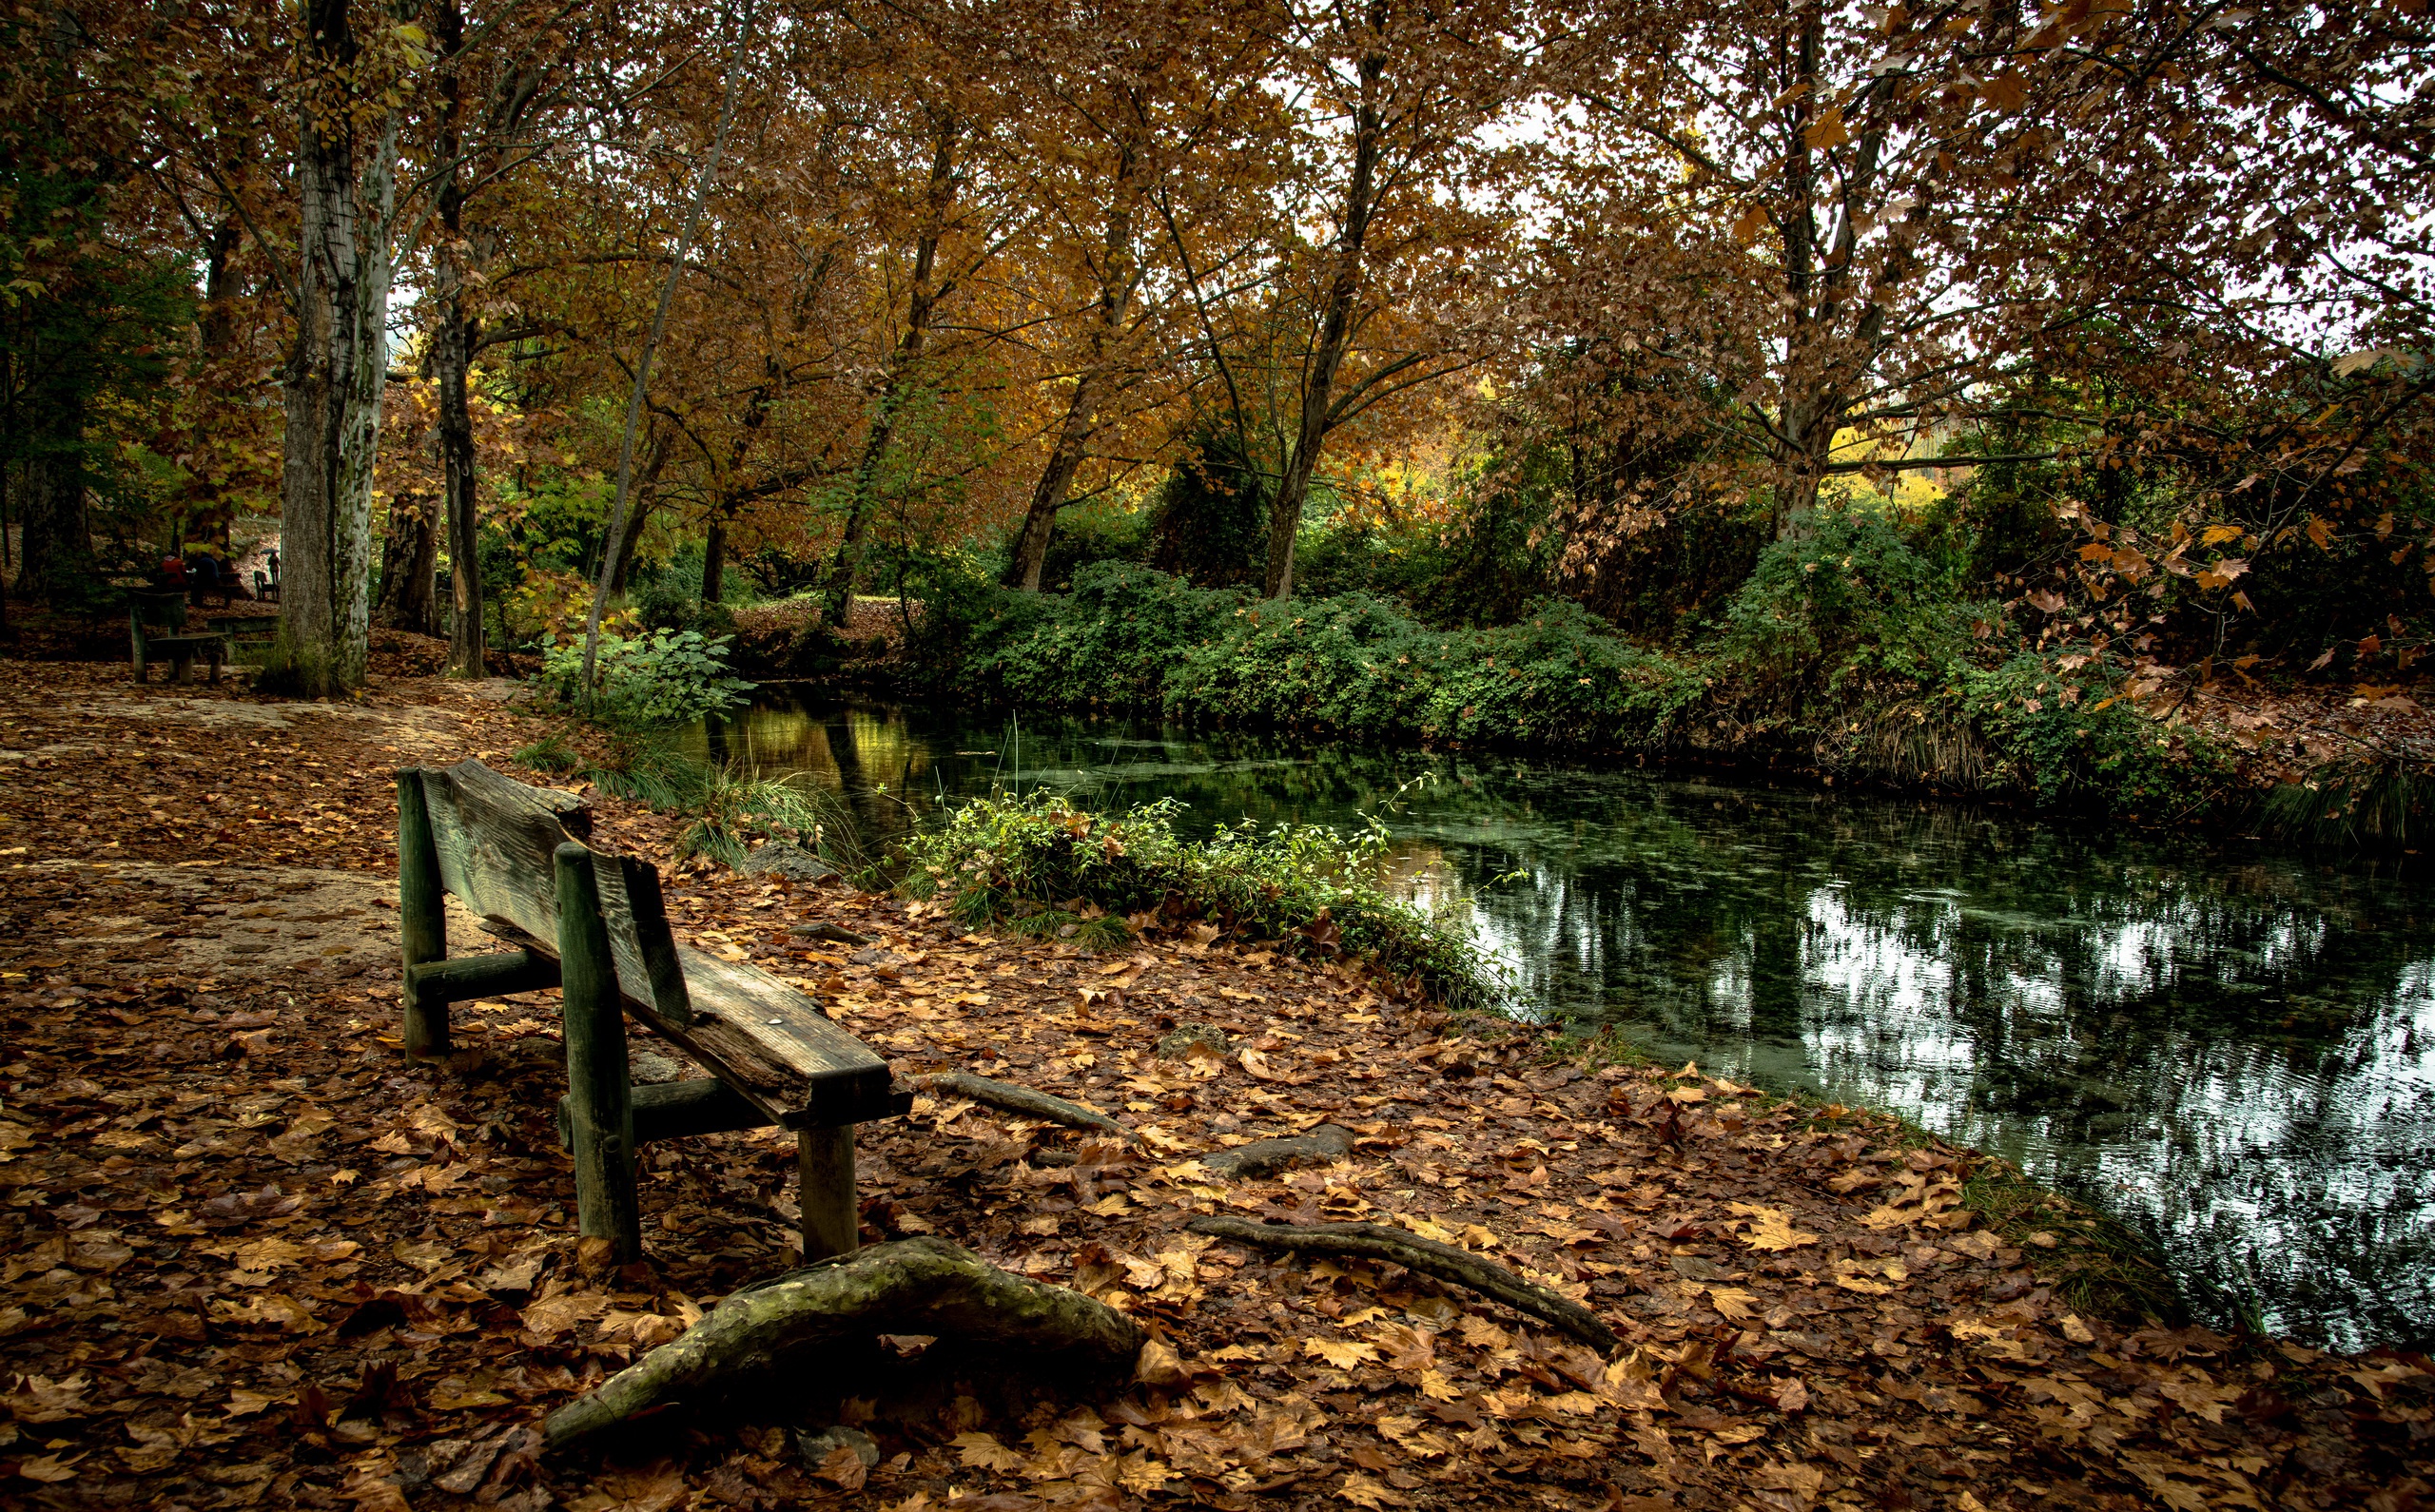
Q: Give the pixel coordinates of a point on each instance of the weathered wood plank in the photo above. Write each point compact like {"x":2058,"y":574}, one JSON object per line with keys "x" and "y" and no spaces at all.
{"x":496,"y":838}
{"x":832,"y":1222}
{"x":461,"y":978}
{"x":742,"y":1013}
{"x":679,"y":1109}
{"x":599,"y":1110}
{"x":833,"y":1081}
{"x":422,"y":918}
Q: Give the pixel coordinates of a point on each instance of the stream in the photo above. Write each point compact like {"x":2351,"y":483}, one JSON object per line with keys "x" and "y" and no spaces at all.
{"x":2227,"y":1045}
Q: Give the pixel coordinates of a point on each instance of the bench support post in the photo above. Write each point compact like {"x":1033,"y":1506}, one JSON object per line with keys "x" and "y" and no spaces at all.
{"x":599,"y":1100}
{"x":422,"y":919}
{"x":831,"y":1222}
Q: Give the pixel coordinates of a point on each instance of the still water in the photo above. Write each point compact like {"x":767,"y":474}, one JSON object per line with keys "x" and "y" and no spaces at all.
{"x":2228,"y":1046}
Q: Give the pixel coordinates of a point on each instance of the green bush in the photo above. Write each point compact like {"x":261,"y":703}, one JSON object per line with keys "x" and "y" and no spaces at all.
{"x":1034,"y":859}
{"x":1111,"y":641}
{"x":670,"y":598}
{"x":649,"y":681}
{"x":1842,"y":599}
{"x":2067,"y":737}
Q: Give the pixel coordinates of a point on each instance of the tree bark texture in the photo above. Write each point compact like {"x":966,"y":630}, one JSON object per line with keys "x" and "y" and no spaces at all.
{"x":410,"y":564}
{"x":453,"y":343}
{"x":1373,"y":1241}
{"x":1326,"y":1143}
{"x":923,"y":1286}
{"x":337,"y":372}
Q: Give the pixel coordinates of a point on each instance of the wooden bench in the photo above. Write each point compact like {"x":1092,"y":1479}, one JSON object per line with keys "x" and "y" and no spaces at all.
{"x":592,"y":926}
{"x":147,"y":616}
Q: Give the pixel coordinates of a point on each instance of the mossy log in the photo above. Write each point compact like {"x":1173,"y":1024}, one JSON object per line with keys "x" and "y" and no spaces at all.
{"x":1373,"y":1241}
{"x":924,"y":1286}
{"x":1328,"y":1142}
{"x":1007,"y":1097}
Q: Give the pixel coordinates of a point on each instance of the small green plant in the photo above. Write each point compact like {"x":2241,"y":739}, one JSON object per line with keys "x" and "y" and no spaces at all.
{"x":647,"y":682}
{"x":551,"y":753}
{"x":1040,"y":863}
{"x":732,"y":805}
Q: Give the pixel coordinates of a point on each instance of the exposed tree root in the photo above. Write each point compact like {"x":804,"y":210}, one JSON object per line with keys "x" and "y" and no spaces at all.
{"x":1007,"y":1097}
{"x":1328,"y":1142}
{"x":924,"y":1286}
{"x":1442,"y":1261}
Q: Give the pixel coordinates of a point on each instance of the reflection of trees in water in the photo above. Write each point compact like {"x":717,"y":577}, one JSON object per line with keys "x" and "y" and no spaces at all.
{"x":2230,"y":1049}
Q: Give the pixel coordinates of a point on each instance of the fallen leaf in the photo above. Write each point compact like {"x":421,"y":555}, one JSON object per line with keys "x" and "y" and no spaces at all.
{"x":1341,"y":1353}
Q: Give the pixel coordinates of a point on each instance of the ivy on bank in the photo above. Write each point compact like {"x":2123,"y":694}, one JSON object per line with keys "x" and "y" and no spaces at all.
{"x":1842,"y":656}
{"x":1036,"y":862}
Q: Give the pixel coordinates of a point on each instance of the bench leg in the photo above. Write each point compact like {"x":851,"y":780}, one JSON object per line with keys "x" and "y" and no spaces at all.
{"x":180,"y":664}
{"x":831,"y":1222}
{"x":422,"y":919}
{"x":599,"y":1099}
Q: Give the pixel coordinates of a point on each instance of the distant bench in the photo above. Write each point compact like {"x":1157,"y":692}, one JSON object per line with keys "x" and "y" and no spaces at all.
{"x":592,"y":926}
{"x":156,"y":624}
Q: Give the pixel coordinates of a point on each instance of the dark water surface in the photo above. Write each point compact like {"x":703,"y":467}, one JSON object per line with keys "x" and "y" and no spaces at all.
{"x":2230,"y":1046}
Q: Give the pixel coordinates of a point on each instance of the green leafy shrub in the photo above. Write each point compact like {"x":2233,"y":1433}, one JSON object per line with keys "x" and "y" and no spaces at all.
{"x":1356,"y":664}
{"x":1842,"y":599}
{"x":1019,"y":859}
{"x":2067,"y":737}
{"x":670,"y":597}
{"x":1111,"y":641}
{"x":647,"y":682}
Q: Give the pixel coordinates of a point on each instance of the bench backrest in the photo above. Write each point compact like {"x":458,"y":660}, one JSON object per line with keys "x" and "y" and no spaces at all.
{"x":497,"y":844}
{"x":158,"y":609}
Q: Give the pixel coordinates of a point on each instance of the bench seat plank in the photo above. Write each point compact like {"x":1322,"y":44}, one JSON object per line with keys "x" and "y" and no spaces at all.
{"x":841,"y":1081}
{"x":804,"y":1071}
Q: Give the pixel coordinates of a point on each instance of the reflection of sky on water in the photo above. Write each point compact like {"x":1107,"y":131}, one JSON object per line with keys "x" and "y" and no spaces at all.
{"x":2231,"y":1048}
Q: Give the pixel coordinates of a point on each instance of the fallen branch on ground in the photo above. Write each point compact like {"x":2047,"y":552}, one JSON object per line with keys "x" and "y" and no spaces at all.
{"x":1442,"y":1261}
{"x":1328,"y":1141}
{"x":1007,"y":1097}
{"x":922,"y":1286}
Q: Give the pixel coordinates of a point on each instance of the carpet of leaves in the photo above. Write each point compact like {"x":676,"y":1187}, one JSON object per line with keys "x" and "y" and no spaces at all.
{"x":251,"y":1256}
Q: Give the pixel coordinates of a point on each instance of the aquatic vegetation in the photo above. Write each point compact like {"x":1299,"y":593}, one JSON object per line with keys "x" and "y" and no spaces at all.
{"x":1043,"y":865}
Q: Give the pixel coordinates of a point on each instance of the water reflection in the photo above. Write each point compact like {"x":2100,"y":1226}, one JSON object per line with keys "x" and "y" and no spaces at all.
{"x":2232,"y":1048}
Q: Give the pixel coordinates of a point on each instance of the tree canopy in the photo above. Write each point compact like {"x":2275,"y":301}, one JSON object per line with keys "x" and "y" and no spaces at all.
{"x":2133,"y":294}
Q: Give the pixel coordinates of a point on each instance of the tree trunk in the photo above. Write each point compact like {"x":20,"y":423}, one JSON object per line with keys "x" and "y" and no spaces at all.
{"x":55,"y":532}
{"x":410,"y":564}
{"x":1335,"y":335}
{"x":1118,"y":280}
{"x":638,"y":508}
{"x":714,"y":562}
{"x":452,"y":358}
{"x":1031,"y":547}
{"x":337,"y":378}
{"x":837,"y":594}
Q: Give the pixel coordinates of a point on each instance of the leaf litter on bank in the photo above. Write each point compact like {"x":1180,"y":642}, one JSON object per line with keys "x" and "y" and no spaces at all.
{"x":251,"y":1257}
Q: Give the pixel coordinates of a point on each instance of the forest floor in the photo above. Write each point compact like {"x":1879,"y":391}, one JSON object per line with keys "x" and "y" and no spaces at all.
{"x":252,"y":1256}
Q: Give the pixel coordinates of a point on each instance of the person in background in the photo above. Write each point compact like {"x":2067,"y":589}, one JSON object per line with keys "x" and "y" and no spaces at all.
{"x":173,"y":571}
{"x":207,"y":580}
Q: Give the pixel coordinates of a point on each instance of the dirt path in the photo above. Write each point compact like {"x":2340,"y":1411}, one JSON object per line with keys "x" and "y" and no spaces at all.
{"x":252,"y":1257}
